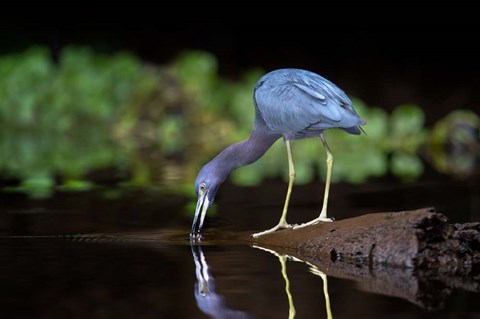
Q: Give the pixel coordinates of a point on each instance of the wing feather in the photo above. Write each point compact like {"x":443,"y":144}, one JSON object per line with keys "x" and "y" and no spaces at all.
{"x":298,"y":103}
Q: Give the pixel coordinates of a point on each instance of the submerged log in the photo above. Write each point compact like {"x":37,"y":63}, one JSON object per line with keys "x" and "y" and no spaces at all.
{"x":420,"y":239}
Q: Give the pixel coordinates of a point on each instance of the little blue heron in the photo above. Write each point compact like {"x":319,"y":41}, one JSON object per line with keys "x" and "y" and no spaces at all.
{"x":289,"y":103}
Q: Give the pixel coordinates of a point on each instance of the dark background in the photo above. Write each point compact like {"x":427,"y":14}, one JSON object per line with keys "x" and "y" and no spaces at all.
{"x":421,"y":53}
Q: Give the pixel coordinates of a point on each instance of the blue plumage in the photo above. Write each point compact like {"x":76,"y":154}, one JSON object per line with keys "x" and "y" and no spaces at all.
{"x":289,"y":103}
{"x":297,"y":103}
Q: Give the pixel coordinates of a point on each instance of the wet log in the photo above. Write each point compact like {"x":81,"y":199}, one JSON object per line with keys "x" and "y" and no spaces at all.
{"x":415,"y":255}
{"x":418,"y":239}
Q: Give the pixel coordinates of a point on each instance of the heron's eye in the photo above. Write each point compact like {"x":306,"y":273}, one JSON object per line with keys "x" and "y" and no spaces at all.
{"x":203,"y":186}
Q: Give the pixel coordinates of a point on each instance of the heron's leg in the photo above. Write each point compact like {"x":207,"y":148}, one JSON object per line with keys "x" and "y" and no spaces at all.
{"x":283,"y":219}
{"x":323,"y":214}
{"x":291,"y":173}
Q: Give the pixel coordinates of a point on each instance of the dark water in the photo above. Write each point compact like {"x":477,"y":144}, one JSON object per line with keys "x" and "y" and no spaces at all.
{"x":126,"y":254}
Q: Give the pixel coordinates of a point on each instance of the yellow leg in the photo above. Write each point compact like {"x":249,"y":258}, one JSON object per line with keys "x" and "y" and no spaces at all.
{"x":283,"y":219}
{"x":323,"y":214}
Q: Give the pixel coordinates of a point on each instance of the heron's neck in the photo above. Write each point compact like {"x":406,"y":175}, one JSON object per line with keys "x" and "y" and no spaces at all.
{"x":243,"y":153}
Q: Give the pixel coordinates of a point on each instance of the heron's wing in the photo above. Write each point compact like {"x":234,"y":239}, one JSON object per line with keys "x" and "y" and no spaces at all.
{"x":303,"y":105}
{"x":314,"y":94}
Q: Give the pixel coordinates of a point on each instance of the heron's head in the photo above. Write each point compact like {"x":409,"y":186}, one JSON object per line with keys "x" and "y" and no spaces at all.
{"x":206,"y":186}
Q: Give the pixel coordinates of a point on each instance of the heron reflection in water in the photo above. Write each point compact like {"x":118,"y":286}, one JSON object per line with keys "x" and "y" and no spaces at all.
{"x":208,"y":300}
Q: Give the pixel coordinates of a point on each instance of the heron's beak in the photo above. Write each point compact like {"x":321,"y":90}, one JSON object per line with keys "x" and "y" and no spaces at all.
{"x":200,"y":212}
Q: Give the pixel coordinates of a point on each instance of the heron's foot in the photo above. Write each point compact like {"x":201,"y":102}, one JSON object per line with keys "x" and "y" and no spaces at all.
{"x":274,"y":229}
{"x":315,"y":221}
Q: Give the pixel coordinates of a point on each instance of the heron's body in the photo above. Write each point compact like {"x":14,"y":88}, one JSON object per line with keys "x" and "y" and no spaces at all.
{"x":289,"y":103}
{"x":298,"y":103}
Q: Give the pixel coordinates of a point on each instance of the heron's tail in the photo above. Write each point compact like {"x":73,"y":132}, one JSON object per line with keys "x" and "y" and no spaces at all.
{"x":355,"y":130}
{"x":361,"y":129}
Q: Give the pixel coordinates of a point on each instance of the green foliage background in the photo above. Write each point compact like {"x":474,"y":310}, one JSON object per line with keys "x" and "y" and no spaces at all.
{"x":156,"y":125}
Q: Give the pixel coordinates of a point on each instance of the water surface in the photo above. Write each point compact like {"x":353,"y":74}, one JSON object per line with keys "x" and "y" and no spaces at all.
{"x":87,"y":255}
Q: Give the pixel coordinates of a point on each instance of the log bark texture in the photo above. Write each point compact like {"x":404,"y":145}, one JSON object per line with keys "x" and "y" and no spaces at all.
{"x":409,"y":239}
{"x":415,"y":255}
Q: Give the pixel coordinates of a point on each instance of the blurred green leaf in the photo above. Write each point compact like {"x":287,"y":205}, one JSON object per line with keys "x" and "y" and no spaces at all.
{"x":171,"y":135}
{"x":76,"y":185}
{"x":38,"y":185}
{"x":247,"y":176}
{"x":407,"y":167}
{"x":406,"y":120}
{"x":453,"y":143}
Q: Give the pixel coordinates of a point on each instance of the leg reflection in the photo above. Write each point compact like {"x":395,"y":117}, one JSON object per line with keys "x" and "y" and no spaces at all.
{"x":291,"y":307}
{"x":313,"y":269}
